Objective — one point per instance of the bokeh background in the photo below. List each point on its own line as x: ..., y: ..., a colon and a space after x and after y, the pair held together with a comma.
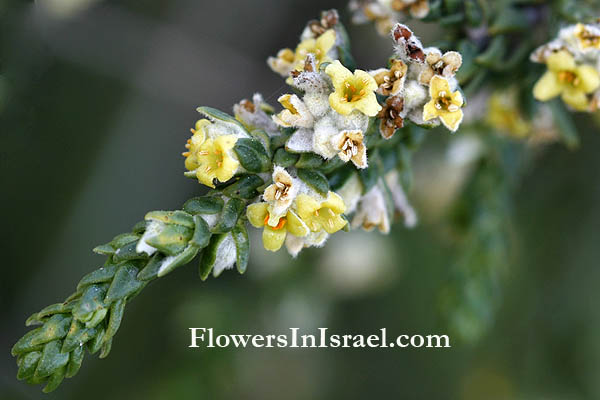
x: 96, y: 99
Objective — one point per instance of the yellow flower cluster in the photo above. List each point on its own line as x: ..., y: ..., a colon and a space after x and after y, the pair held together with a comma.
x: 444, y: 104
x: 288, y: 60
x: 210, y: 158
x: 307, y: 214
x: 567, y: 78
x: 352, y: 91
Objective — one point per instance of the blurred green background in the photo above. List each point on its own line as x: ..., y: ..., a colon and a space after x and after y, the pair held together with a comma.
x: 96, y: 99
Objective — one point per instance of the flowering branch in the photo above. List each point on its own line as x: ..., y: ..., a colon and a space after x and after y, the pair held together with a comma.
x: 336, y: 156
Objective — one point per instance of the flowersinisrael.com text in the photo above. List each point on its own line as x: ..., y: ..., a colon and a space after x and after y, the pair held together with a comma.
x: 206, y: 337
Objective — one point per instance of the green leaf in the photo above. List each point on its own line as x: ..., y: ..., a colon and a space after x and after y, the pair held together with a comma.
x: 309, y: 161
x: 78, y: 334
x: 228, y: 218
x: 509, y: 20
x: 24, y: 344
x: 331, y: 165
x: 55, y: 379
x: 369, y: 176
x: 150, y: 271
x: 104, y: 249
x: 103, y: 274
x: 140, y: 227
x: 171, y: 217
x: 105, y: 349
x: 201, y: 233
x: 95, y: 344
x: 170, y: 263
x: 261, y: 136
x: 91, y: 301
x: 214, y: 114
x: 58, y: 308
x: 280, y: 140
x: 242, y: 245
x: 494, y: 53
x: 97, y: 317
x: 473, y: 12
x: 314, y: 179
x: 173, y: 239
x: 244, y: 187
x: 124, y: 283
x: 27, y: 364
x: 252, y: 155
x: 209, y: 256
x: 123, y: 239
x: 75, y: 360
x: 51, y: 360
x: 284, y: 158
x: 339, y: 177
x: 114, y: 320
x: 128, y: 252
x: 203, y: 205
x: 55, y: 328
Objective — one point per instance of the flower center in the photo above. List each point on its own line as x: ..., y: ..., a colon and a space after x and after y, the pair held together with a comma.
x: 444, y: 102
x: 280, y: 224
x: 213, y: 160
x: 325, y: 215
x: 281, y: 190
x: 350, y: 147
x: 589, y: 39
x: 353, y: 92
x: 568, y: 77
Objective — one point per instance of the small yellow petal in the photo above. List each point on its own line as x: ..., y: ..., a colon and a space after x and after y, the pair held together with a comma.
x: 437, y: 85
x: 576, y: 99
x: 342, y: 107
x: 452, y: 120
x: 225, y: 142
x: 589, y: 77
x: 334, y: 224
x: 429, y: 111
x: 335, y: 202
x: 457, y: 98
x: 295, y: 226
x: 205, y: 178
x: 273, y: 238
x: 561, y: 61
x: 227, y: 169
x: 547, y: 87
x: 257, y: 213
x: 366, y: 78
x: 326, y: 41
x: 369, y: 105
x: 338, y: 73
x: 306, y: 205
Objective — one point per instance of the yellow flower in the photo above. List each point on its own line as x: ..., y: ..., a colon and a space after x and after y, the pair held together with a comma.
x: 273, y: 236
x: 444, y: 104
x: 283, y: 63
x: 564, y: 77
x: 391, y: 81
x: 587, y: 38
x: 350, y: 146
x: 352, y: 91
x: 210, y: 158
x: 319, y: 47
x: 325, y: 215
x: 504, y: 114
x: 295, y: 113
x: 194, y: 143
